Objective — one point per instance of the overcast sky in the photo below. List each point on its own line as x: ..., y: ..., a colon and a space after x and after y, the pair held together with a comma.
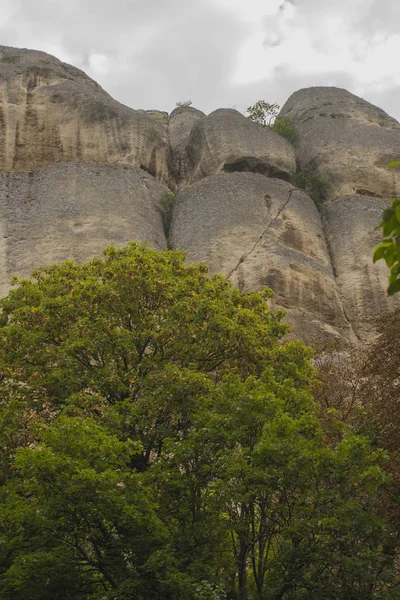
x: 217, y: 53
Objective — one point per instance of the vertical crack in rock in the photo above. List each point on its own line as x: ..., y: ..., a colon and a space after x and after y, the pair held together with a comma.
x: 335, y: 274
x: 247, y: 254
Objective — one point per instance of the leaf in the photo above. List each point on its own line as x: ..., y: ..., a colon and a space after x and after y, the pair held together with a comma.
x: 387, y: 214
x: 380, y: 250
x: 390, y: 225
x: 394, y: 287
x: 391, y: 257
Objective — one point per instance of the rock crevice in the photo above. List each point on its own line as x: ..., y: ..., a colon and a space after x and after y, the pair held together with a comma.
x: 247, y: 254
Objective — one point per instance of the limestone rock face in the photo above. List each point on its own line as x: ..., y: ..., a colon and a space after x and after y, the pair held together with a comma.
x: 79, y: 171
x: 349, y: 228
x: 181, y: 122
x: 260, y: 232
x: 226, y: 141
x: 51, y: 112
x: 345, y: 140
x: 73, y: 211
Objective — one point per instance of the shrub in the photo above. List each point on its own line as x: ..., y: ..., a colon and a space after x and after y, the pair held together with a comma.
x: 166, y: 210
x: 265, y: 114
x: 389, y: 248
x: 284, y: 126
x: 314, y: 186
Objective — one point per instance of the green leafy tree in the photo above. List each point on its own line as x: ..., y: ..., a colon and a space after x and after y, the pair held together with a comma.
x: 160, y: 441
x: 265, y: 114
x: 379, y: 387
x: 77, y: 522
x: 133, y: 344
x: 297, y: 521
x: 139, y: 331
x: 389, y: 248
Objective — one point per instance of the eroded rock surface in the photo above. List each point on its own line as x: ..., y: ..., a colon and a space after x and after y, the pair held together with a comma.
x: 263, y: 232
x: 349, y: 224
x: 79, y: 171
x: 73, y: 211
x: 181, y: 122
x: 51, y: 112
x: 345, y: 140
x: 226, y: 141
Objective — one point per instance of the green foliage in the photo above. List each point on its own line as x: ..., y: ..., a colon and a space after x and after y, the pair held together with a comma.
x: 315, y: 187
x: 265, y: 114
x: 184, y: 103
x: 389, y: 248
x: 161, y: 117
x: 284, y: 126
x: 166, y: 211
x: 289, y: 507
x: 160, y: 441
x: 86, y: 510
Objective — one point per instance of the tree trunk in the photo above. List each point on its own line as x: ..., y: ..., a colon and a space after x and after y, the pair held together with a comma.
x: 242, y: 571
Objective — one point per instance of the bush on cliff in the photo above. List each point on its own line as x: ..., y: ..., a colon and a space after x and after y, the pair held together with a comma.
x: 265, y: 114
x: 389, y: 248
x: 160, y: 441
x: 313, y: 185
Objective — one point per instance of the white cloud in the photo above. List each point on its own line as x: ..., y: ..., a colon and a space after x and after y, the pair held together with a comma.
x: 250, y: 10
x: 321, y: 40
x: 333, y: 44
x: 150, y: 54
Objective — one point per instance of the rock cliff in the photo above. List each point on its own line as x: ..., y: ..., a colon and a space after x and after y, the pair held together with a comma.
x: 78, y: 171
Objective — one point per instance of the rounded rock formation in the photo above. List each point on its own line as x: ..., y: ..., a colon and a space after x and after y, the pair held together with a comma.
x: 73, y: 211
x: 346, y: 141
x: 226, y: 141
x: 349, y: 224
x: 262, y: 232
x: 51, y: 112
x: 79, y: 171
x: 181, y: 122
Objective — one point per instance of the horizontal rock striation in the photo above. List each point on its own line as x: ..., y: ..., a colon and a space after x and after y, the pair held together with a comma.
x: 79, y: 171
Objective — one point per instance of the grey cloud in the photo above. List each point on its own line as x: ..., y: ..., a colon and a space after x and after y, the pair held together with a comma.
x: 193, y: 61
x: 162, y: 52
x: 374, y: 16
x: 389, y: 100
x: 383, y: 17
x: 159, y: 52
x: 285, y: 81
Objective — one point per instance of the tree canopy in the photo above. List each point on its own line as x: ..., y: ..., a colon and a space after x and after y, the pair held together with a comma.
x: 160, y: 440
